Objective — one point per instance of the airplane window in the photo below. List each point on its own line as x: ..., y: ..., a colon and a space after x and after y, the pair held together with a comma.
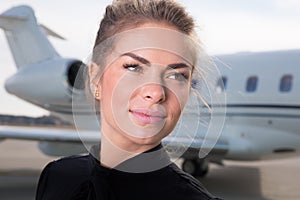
x: 251, y: 84
x: 221, y: 84
x: 195, y: 84
x: 286, y: 83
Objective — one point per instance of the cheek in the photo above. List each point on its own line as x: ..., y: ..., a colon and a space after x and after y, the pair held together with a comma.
x: 120, y: 90
x: 108, y: 83
x: 116, y: 85
x: 177, y: 98
x: 175, y: 108
x: 124, y: 90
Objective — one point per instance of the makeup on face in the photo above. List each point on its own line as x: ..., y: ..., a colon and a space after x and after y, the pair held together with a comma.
x: 144, y: 91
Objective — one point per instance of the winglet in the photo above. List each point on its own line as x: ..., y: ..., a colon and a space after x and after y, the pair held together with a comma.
x: 52, y: 33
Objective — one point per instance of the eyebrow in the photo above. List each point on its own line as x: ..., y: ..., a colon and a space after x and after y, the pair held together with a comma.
x: 138, y: 58
x: 179, y: 66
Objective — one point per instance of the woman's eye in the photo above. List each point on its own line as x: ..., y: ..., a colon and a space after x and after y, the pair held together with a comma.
x: 133, y: 67
x: 179, y: 76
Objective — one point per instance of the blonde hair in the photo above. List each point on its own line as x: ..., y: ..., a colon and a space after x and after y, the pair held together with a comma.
x: 126, y: 14
x: 123, y: 15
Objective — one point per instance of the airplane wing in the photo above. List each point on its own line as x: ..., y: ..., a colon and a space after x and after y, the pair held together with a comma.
x: 53, y: 141
x: 193, y: 147
x: 197, y: 147
x: 48, y: 134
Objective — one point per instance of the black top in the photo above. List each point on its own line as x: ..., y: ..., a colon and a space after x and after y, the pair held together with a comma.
x: 82, y: 177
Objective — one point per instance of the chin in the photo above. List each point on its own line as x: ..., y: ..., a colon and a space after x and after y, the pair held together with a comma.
x: 149, y: 141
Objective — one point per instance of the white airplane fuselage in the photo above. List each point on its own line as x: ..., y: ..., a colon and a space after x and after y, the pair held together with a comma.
x: 260, y: 124
x: 263, y: 120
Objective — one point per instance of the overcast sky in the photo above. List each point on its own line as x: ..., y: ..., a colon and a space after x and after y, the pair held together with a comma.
x: 224, y: 26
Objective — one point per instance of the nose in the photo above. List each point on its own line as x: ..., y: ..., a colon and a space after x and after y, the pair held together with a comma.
x: 155, y: 93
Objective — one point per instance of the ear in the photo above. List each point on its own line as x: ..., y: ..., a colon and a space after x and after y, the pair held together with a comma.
x: 94, y: 74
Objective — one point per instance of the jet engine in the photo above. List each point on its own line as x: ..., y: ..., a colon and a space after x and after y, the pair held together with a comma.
x: 50, y: 82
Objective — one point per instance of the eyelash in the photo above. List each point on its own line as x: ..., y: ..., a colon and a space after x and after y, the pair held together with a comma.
x: 136, y: 67
x: 181, y: 76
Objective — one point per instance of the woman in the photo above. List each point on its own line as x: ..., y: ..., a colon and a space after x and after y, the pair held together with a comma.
x: 142, y: 65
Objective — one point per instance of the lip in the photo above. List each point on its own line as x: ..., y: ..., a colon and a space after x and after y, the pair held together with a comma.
x: 147, y: 116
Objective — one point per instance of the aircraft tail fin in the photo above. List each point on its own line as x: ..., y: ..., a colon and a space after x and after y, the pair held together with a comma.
x: 26, y: 38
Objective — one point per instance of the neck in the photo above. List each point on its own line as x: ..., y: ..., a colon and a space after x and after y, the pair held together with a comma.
x: 113, y: 153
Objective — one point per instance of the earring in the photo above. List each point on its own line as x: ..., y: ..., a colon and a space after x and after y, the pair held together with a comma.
x: 96, y: 93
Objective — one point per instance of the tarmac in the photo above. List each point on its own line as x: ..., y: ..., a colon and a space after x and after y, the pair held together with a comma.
x: 21, y: 163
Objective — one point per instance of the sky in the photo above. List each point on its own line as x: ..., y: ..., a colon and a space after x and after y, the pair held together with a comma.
x: 225, y: 27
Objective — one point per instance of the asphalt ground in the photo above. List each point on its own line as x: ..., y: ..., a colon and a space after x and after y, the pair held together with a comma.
x: 21, y: 163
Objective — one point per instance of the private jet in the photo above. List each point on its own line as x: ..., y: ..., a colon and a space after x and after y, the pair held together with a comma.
x: 253, y: 113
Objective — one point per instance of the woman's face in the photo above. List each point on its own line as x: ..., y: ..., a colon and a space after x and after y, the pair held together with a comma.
x: 142, y: 94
